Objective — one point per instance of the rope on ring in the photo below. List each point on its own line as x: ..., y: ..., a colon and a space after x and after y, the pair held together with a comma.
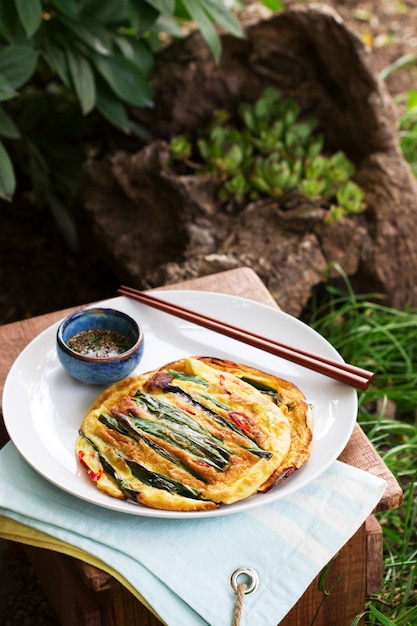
x: 240, y: 594
x: 242, y: 589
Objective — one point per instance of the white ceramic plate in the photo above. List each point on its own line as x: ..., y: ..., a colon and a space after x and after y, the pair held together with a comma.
x: 43, y: 406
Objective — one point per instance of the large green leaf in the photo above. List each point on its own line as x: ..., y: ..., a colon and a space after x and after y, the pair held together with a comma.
x: 56, y: 58
x: 7, y: 126
x: 141, y: 16
x: 163, y: 6
x: 7, y: 177
x: 205, y: 25
x: 90, y: 32
x: 9, y: 20
x: 104, y: 10
x: 6, y: 90
x: 70, y: 8
x: 124, y: 78
x: 112, y: 109
x: 170, y: 25
x: 82, y: 78
x: 223, y: 16
x: 30, y: 14
x: 137, y: 51
x: 17, y: 64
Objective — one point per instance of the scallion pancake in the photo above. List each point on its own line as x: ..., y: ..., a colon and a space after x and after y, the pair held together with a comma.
x: 195, y: 434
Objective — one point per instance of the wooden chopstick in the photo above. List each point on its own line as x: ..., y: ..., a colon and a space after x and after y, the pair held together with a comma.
x: 343, y: 372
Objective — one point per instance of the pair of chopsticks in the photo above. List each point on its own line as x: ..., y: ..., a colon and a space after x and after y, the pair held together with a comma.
x: 343, y: 372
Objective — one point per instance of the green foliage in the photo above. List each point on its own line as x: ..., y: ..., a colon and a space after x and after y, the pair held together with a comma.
x: 383, y: 340
x: 408, y: 129
x: 84, y: 59
x: 274, y: 5
x: 180, y: 148
x: 226, y: 150
x: 7, y: 178
x: 268, y: 151
x: 408, y: 119
x: 324, y: 589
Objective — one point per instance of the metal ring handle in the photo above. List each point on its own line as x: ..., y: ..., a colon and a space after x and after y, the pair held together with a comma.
x: 250, y: 574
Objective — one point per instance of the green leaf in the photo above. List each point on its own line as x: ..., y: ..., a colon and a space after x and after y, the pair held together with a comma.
x: 91, y: 33
x: 409, y: 616
x: 104, y: 10
x: 274, y: 5
x: 224, y: 17
x: 7, y: 126
x: 136, y: 51
x: 205, y: 25
x: 398, y: 64
x: 358, y: 619
x: 17, y: 64
x: 124, y: 78
x: 384, y: 621
x: 112, y: 109
x: 30, y: 14
x: 163, y: 6
x: 56, y: 58
x: 69, y: 8
x: 411, y: 99
x: 83, y: 79
x: 141, y: 16
x: 169, y: 25
x: 9, y: 21
x: 7, y: 177
x: 6, y: 90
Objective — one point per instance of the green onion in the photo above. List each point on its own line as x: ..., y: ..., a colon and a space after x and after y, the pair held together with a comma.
x: 188, y: 377
x: 223, y: 422
x: 121, y: 423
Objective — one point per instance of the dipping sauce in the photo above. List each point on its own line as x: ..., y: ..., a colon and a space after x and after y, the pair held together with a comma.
x: 99, y: 343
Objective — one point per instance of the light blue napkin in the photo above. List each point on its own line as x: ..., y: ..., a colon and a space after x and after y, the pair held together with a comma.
x: 182, y: 567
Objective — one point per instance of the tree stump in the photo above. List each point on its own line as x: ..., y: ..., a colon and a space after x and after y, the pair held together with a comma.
x: 158, y: 227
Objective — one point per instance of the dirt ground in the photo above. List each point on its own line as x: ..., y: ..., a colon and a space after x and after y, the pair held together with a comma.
x: 39, y: 274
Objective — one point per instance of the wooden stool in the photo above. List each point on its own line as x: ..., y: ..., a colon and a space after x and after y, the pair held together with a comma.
x: 84, y: 595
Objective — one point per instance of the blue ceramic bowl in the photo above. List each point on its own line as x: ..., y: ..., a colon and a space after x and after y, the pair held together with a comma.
x: 99, y: 356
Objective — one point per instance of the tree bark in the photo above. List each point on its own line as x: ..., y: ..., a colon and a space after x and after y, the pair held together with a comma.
x: 169, y: 227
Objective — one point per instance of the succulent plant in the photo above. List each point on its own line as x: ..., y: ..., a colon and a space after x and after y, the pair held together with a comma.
x: 225, y: 150
x: 180, y: 148
x: 273, y: 151
x: 237, y: 187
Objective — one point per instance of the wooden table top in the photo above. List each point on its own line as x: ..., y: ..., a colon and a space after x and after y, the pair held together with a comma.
x: 359, y: 452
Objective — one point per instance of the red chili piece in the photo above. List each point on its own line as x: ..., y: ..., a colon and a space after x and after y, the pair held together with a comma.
x: 95, y: 476
x: 186, y: 409
x: 202, y: 463
x: 241, y: 421
x: 223, y: 384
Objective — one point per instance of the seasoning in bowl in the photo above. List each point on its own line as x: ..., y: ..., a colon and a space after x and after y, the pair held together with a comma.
x: 99, y: 346
x: 99, y: 343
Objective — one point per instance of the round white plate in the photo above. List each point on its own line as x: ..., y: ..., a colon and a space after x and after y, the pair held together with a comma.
x: 43, y: 406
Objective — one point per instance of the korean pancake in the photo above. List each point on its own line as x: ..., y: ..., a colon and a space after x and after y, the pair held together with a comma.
x: 195, y: 434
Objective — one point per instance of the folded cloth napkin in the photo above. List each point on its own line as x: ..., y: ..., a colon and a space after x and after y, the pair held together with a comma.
x: 181, y: 568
